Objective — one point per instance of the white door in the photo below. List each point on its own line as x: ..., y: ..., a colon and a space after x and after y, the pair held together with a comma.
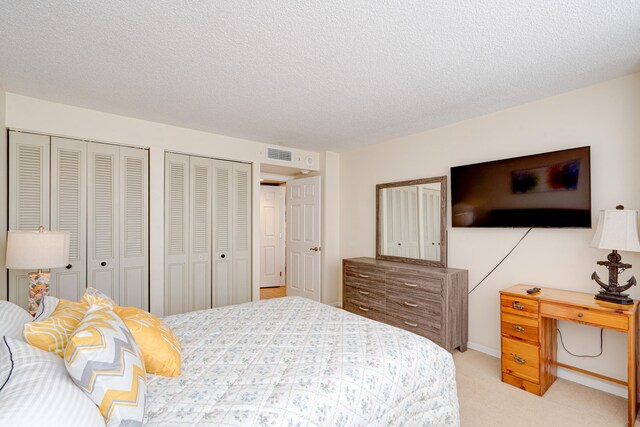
x: 241, y: 243
x: 68, y: 213
x: 200, y: 233
x: 103, y: 228
x: 222, y: 275
x: 303, y: 238
x: 402, y: 221
x: 430, y: 229
x: 271, y: 236
x: 176, y: 232
x: 134, y: 228
x: 29, y: 164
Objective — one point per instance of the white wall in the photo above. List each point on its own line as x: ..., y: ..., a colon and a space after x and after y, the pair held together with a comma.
x: 331, y: 259
x: 36, y: 115
x: 4, y: 175
x: 605, y: 116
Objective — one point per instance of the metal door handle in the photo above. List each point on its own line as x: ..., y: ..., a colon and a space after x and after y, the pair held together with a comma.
x: 222, y: 256
x: 103, y: 263
x: 315, y: 249
x: 69, y: 266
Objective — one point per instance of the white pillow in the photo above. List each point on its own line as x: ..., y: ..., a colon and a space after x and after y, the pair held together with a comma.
x: 12, y: 319
x: 47, y: 306
x: 35, y: 390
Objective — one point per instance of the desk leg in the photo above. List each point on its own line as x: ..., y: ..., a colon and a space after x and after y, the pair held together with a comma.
x: 632, y: 360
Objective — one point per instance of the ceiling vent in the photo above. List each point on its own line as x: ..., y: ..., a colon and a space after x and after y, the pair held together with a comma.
x: 279, y: 155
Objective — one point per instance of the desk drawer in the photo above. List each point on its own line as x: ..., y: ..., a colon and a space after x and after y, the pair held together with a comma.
x: 519, y: 306
x: 521, y: 360
x: 602, y: 319
x: 520, y: 327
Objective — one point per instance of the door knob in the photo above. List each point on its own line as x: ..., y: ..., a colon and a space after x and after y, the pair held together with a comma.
x: 103, y: 263
x: 222, y: 256
x: 68, y: 266
x: 315, y: 249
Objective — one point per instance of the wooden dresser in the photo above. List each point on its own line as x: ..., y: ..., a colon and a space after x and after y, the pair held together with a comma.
x: 529, y: 330
x: 428, y: 301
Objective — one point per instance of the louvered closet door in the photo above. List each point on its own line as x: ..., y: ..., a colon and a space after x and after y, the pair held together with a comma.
x: 241, y: 258
x: 201, y: 170
x: 29, y: 157
x: 134, y: 228
x: 176, y: 234
x: 103, y: 225
x: 222, y: 233
x: 68, y: 213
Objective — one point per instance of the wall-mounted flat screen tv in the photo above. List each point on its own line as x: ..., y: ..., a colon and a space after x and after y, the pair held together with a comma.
x: 542, y: 190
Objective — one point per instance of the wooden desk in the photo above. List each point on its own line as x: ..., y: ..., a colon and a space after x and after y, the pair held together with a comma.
x: 529, y: 328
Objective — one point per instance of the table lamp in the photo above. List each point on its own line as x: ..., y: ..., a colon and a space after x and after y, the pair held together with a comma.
x: 617, y: 231
x: 37, y: 250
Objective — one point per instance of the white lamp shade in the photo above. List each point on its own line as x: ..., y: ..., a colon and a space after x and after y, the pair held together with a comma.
x: 617, y: 229
x: 30, y: 250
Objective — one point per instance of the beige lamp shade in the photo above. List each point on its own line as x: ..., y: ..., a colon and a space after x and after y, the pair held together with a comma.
x: 30, y: 250
x: 617, y: 229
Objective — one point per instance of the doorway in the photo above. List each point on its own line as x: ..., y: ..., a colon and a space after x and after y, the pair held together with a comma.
x: 272, y: 239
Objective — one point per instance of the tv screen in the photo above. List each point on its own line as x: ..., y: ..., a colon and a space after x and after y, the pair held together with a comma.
x: 542, y: 190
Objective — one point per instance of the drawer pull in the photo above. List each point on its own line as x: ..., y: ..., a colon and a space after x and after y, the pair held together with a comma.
x: 519, y: 328
x: 410, y: 324
x: 364, y: 276
x: 519, y: 360
x: 409, y: 304
x: 579, y: 314
x: 363, y: 309
x: 411, y: 285
x: 517, y: 306
x: 363, y: 292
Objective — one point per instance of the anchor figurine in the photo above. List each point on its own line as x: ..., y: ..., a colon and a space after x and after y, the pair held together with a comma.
x: 612, y: 292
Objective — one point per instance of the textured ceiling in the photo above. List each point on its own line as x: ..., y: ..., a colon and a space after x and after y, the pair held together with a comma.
x: 331, y: 74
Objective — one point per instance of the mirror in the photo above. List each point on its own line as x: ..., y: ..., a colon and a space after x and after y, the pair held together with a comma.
x: 411, y: 221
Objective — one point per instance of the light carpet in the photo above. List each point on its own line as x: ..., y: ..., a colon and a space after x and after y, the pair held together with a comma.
x: 486, y: 401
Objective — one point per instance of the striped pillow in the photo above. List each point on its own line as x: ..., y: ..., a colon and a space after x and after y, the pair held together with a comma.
x: 35, y: 390
x: 52, y: 334
x: 46, y: 308
x: 104, y: 360
x: 12, y: 319
x: 160, y: 346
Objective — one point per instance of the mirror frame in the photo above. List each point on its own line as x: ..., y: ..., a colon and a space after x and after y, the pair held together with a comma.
x: 443, y: 222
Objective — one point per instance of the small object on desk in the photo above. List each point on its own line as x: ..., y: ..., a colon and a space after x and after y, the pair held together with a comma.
x: 617, y: 230
x: 533, y: 290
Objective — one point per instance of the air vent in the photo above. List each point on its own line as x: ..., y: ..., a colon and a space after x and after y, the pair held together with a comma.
x: 280, y: 155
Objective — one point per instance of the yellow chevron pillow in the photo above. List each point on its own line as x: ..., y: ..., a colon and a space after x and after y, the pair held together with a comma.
x: 104, y: 360
x: 160, y: 347
x: 94, y: 296
x: 52, y: 334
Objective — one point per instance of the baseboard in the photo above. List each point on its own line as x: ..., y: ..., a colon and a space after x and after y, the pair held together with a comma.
x: 335, y: 304
x: 566, y: 374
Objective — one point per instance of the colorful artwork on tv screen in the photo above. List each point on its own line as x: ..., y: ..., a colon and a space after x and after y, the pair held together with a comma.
x: 558, y: 177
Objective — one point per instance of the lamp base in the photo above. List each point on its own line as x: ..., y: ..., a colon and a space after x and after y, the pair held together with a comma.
x: 38, y: 287
x: 615, y: 298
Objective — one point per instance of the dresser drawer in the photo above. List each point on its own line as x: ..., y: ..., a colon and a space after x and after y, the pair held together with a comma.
x: 364, y: 296
x: 370, y: 311
x: 521, y: 360
x: 521, y: 327
x: 519, y: 306
x: 417, y: 326
x: 585, y: 315
x: 427, y: 287
x: 413, y: 305
x: 363, y: 276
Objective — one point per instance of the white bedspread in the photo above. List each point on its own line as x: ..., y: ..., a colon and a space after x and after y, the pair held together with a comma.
x: 294, y: 362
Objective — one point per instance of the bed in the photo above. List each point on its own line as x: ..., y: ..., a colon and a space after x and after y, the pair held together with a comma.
x: 291, y: 361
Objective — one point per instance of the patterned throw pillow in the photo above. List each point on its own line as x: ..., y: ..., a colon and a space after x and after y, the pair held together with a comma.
x: 160, y: 347
x: 12, y: 319
x: 46, y: 308
x: 52, y: 334
x: 104, y: 360
x: 35, y: 390
x: 94, y: 296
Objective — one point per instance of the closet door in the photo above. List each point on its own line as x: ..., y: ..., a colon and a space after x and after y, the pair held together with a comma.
x: 103, y: 228
x: 29, y: 158
x: 176, y: 234
x: 201, y: 171
x: 68, y: 213
x: 222, y: 233
x: 241, y: 257
x: 134, y: 228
